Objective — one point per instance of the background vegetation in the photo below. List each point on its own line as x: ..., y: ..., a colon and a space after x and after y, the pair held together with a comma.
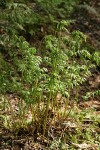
x: 42, y: 62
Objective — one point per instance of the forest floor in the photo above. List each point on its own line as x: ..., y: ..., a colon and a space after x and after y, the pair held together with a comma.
x: 81, y: 129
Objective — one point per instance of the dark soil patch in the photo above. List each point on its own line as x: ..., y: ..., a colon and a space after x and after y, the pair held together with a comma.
x: 87, y: 20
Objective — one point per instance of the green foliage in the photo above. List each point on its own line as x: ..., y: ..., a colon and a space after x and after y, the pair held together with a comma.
x: 92, y: 94
x: 60, y: 8
x: 96, y: 58
x: 37, y: 79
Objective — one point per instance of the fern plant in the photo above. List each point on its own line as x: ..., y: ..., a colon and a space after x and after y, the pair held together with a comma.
x: 37, y: 80
x: 65, y: 71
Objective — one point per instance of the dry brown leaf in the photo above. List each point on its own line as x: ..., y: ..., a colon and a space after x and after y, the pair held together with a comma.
x: 85, y: 146
x: 69, y: 124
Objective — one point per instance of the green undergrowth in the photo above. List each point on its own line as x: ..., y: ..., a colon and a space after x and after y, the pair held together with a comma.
x: 41, y: 63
